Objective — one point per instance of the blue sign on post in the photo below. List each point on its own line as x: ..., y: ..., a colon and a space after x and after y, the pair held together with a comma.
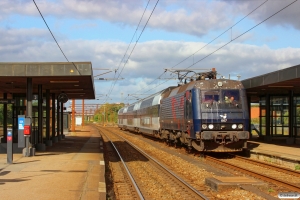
x: 21, y: 122
x: 21, y: 138
x: 9, y: 133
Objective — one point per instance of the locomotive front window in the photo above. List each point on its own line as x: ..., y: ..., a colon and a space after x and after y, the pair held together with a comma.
x: 231, y: 96
x: 220, y: 99
x: 210, y: 96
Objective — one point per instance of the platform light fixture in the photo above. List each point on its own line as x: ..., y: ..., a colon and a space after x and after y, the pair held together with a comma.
x: 74, y: 93
x: 76, y: 89
x: 64, y: 81
x: 281, y: 86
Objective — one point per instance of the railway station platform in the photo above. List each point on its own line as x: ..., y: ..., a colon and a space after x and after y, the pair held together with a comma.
x: 279, y: 153
x: 71, y: 169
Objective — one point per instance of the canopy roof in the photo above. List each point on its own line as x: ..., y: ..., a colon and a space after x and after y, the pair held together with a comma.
x: 73, y: 78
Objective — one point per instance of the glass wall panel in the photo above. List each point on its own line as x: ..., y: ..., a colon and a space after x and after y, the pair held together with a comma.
x: 263, y: 112
x: 262, y: 116
x: 286, y: 131
x: 262, y: 101
x: 279, y: 115
x: 263, y: 130
x: 296, y: 116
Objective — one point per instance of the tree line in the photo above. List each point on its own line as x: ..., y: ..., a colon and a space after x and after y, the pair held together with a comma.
x: 108, y: 113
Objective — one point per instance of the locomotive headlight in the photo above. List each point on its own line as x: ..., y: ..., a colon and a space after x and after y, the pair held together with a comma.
x: 204, y: 126
x: 233, y: 126
x: 240, y: 126
x: 210, y: 126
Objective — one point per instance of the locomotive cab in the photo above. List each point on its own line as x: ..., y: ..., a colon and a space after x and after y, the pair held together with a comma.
x: 223, y: 119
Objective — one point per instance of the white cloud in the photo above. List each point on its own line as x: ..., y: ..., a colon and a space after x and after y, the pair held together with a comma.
x: 190, y: 17
x: 149, y: 59
x: 196, y: 22
x: 286, y: 18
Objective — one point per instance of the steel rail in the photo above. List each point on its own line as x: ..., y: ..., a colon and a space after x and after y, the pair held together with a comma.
x: 127, y: 170
x: 274, y: 167
x: 290, y: 186
x: 166, y: 169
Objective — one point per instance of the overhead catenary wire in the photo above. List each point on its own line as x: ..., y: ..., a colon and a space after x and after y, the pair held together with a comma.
x: 230, y: 28
x: 54, y: 37
x: 243, y: 33
x: 228, y: 42
x: 133, y: 47
x: 112, y: 85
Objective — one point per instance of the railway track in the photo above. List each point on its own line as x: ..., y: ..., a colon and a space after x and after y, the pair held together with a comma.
x: 285, y: 179
x: 146, y: 177
x: 123, y: 186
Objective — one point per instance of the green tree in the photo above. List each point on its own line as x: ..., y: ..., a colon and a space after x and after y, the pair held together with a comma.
x: 108, y: 113
x: 9, y: 114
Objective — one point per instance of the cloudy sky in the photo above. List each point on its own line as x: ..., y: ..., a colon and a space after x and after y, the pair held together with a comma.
x: 135, y: 41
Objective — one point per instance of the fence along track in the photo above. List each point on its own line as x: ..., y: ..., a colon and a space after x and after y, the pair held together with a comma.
x: 178, y: 188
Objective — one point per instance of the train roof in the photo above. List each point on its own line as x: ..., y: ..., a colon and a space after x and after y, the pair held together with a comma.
x: 205, y: 85
x: 151, y: 100
x: 172, y: 91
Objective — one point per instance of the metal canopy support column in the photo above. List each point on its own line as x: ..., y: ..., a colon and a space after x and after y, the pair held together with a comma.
x: 54, y: 137
x: 82, y: 120
x: 57, y: 120
x: 4, y: 119
x: 73, y: 115
x: 48, y: 141
x: 268, y: 110
x: 29, y: 150
x: 249, y: 115
x: 291, y: 139
x: 16, y: 112
x: 40, y: 145
x: 62, y: 119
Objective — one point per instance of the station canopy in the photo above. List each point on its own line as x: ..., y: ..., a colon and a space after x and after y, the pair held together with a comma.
x: 279, y: 82
x: 73, y: 78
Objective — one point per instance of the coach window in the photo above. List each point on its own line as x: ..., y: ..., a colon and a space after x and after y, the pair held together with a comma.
x: 155, y: 111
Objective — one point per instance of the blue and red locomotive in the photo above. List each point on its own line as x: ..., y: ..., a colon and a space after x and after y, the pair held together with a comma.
x: 205, y: 114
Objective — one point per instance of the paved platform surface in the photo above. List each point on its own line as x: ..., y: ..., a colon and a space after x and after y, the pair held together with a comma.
x: 291, y: 151
x: 276, y: 153
x: 71, y: 169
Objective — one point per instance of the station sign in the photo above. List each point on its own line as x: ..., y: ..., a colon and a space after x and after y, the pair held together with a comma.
x: 9, y: 135
x: 7, y: 101
x: 27, y: 130
x: 21, y: 122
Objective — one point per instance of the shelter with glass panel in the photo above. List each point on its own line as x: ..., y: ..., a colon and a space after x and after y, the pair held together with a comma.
x: 278, y: 96
x: 38, y: 90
